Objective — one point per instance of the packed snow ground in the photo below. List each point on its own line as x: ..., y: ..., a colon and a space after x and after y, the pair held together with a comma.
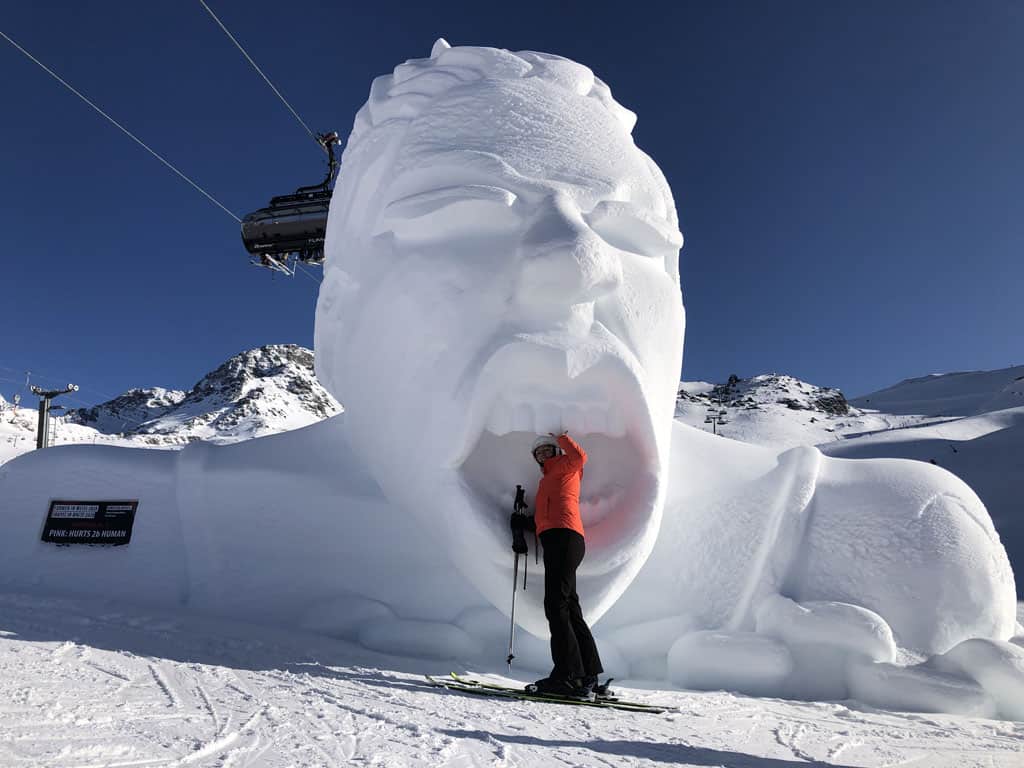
x: 84, y: 684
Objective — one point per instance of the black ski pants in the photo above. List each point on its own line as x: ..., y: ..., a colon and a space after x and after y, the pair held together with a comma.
x: 573, y: 649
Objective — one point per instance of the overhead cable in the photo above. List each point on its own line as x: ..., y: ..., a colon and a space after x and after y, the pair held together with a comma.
x: 265, y: 78
x: 306, y: 272
x: 131, y: 135
x: 38, y: 375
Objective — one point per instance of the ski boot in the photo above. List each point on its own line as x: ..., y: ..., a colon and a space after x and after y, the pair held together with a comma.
x: 562, y: 688
x: 601, y: 690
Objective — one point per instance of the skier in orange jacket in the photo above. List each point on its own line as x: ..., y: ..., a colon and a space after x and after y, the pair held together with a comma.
x: 557, y: 520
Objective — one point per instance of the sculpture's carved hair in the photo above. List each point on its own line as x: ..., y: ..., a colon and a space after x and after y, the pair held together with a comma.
x: 405, y: 93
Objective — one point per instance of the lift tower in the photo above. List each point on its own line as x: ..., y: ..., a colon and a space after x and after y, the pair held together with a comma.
x: 45, y: 396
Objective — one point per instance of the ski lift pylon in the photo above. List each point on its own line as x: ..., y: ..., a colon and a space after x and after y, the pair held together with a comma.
x: 292, y: 228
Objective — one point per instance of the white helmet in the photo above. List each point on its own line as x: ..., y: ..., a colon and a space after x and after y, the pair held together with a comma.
x: 542, y: 441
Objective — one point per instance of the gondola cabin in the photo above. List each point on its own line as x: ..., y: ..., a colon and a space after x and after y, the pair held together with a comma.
x: 292, y: 227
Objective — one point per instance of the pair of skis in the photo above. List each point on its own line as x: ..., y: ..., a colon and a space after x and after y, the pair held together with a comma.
x: 480, y: 688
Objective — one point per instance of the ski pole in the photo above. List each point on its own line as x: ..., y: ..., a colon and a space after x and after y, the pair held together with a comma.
x: 518, y: 546
x: 512, y: 624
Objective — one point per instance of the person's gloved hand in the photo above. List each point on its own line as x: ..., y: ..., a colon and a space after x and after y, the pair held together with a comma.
x: 522, y: 522
x: 519, y: 543
x: 520, y: 505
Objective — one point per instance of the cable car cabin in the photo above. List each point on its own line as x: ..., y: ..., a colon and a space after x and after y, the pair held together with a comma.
x: 292, y: 227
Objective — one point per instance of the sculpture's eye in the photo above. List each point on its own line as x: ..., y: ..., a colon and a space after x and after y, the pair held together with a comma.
x: 630, y: 228
x: 471, y: 210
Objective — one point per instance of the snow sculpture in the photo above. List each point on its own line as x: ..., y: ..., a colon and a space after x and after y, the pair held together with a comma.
x: 502, y: 261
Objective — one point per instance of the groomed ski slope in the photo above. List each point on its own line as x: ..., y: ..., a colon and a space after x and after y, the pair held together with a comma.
x: 86, y: 685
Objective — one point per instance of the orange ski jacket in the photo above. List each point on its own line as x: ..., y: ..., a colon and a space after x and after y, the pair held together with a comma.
x: 557, y: 503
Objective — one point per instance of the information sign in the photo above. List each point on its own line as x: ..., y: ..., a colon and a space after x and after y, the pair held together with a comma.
x: 90, y: 522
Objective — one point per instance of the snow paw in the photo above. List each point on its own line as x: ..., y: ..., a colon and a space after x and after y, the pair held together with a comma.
x: 735, y: 661
x: 343, y: 616
x: 647, y: 643
x: 418, y: 639
x: 840, y: 626
x: 998, y: 667
x: 375, y: 626
x: 916, y: 689
x: 823, y: 637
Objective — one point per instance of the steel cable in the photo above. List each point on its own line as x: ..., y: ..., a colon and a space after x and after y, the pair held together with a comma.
x: 130, y: 135
x: 260, y: 71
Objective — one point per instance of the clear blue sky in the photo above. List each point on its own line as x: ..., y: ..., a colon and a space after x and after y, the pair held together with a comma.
x: 849, y: 175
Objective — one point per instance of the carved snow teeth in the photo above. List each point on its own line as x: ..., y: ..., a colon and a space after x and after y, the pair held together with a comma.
x: 529, y: 389
x: 597, y: 421
x: 522, y: 418
x: 546, y: 416
x: 574, y: 419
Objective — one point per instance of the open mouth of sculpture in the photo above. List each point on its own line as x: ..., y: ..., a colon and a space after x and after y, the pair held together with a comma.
x: 605, y: 412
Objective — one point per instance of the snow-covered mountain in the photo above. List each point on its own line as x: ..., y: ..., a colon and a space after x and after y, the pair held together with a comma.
x: 257, y: 392
x: 18, y: 431
x: 1010, y: 396
x: 128, y: 412
x: 963, y: 393
x: 778, y: 410
x: 771, y: 409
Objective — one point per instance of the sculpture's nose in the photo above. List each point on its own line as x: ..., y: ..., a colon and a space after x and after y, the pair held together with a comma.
x: 564, y: 262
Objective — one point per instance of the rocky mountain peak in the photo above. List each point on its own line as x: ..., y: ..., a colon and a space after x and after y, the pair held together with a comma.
x: 259, y: 391
x: 769, y: 388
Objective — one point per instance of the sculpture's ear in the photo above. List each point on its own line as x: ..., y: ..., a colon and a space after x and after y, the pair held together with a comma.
x: 439, y: 47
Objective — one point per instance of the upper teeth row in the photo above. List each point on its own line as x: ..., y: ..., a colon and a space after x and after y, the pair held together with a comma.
x: 541, y: 418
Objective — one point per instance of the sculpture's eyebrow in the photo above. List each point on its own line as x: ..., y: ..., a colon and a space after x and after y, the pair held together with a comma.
x: 611, y: 207
x: 431, y: 199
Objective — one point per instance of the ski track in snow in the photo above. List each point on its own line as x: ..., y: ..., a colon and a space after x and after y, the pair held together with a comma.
x: 83, y: 685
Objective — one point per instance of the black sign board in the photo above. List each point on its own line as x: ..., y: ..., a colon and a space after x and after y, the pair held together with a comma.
x: 90, y: 522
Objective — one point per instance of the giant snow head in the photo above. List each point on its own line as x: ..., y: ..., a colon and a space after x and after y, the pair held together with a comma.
x: 502, y: 261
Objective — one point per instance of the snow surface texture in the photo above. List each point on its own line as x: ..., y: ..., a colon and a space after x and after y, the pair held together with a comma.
x: 88, y: 684
x: 982, y: 442
x: 501, y: 262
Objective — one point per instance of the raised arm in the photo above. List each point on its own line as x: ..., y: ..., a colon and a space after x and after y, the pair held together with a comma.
x: 573, y: 452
